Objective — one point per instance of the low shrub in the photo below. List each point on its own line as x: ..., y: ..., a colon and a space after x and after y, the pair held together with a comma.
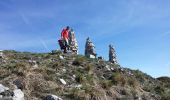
x: 117, y: 78
x: 165, y: 96
x: 159, y: 89
x: 79, y: 60
x: 80, y: 78
x: 106, y: 84
x: 139, y: 75
x: 132, y: 82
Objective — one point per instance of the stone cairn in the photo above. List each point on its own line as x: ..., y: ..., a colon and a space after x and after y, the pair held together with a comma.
x: 112, y: 55
x: 90, y: 49
x: 73, y: 45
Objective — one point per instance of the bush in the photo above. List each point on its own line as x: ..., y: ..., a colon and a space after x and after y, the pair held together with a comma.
x: 57, y: 52
x: 106, y: 84
x: 117, y: 78
x: 148, y: 88
x: 80, y: 78
x: 139, y: 75
x: 90, y: 79
x: 79, y: 60
x: 132, y: 82
x: 165, y: 96
x: 159, y: 89
x: 4, y: 73
x: 89, y: 68
x: 167, y: 85
x: 16, y: 68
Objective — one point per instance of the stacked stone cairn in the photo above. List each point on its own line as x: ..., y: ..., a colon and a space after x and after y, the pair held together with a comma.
x: 73, y: 45
x: 90, y: 49
x: 112, y: 55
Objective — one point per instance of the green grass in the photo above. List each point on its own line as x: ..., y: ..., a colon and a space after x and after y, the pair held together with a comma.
x: 118, y: 78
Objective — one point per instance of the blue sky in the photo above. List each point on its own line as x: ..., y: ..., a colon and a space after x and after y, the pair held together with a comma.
x: 138, y: 29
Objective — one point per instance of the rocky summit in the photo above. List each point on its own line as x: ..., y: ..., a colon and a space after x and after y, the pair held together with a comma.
x: 58, y: 76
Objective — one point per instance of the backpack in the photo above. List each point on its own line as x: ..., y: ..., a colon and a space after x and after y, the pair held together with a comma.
x: 61, y: 44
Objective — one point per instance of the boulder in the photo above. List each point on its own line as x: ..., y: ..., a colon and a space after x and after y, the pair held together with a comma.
x: 3, y: 88
x: 18, y: 94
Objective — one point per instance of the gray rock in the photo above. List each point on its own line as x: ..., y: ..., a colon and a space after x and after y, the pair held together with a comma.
x: 35, y: 66
x: 18, y: 95
x: 92, y: 56
x: 6, y: 93
x: 63, y: 82
x: 1, y: 55
x: 52, y: 97
x: 61, y: 57
x: 108, y: 67
x: 19, y: 83
x: 3, y: 88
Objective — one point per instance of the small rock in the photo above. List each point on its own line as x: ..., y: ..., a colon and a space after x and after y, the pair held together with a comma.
x: 64, y: 70
x: 19, y: 83
x: 52, y: 97
x: 61, y: 57
x: 121, y: 70
x: 100, y: 58
x: 18, y: 95
x: 112, y: 69
x: 74, y: 76
x: 35, y: 66
x: 78, y: 86
x: 62, y: 81
x: 92, y: 56
x: 6, y: 93
x: 35, y: 98
x: 3, y: 88
x: 108, y: 68
x: 58, y: 74
x: 1, y: 55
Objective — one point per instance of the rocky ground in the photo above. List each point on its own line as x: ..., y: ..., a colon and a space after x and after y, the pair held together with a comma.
x: 57, y: 76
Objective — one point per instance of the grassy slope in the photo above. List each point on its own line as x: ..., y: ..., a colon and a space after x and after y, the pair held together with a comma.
x: 95, y: 80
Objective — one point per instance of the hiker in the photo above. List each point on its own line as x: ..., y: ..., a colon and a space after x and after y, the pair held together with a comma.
x: 64, y: 39
x: 73, y: 46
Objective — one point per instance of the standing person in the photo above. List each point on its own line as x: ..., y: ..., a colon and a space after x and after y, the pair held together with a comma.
x: 65, y: 37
